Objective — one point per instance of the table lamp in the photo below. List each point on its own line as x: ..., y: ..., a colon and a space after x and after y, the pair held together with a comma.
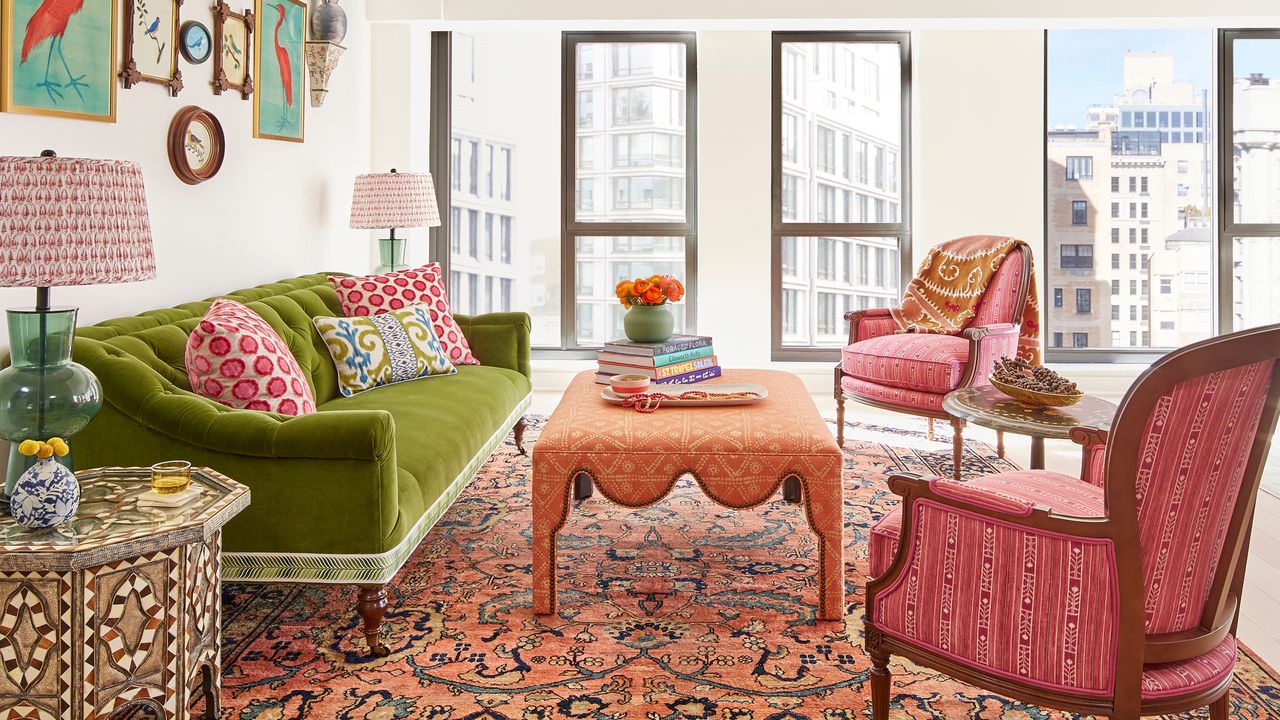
x: 63, y: 221
x: 389, y: 201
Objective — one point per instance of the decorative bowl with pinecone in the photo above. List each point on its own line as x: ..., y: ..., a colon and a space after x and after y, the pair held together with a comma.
x: 1034, y: 384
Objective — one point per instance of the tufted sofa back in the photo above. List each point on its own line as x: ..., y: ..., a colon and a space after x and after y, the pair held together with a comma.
x: 158, y: 338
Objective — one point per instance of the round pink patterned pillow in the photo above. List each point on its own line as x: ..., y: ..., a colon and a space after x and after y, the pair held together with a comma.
x: 376, y: 294
x: 233, y: 356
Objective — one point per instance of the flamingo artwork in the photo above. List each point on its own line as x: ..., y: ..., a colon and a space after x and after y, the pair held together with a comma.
x: 49, y: 22
x: 286, y: 70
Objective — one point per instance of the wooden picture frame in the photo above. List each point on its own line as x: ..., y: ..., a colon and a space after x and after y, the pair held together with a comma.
x: 37, y: 79
x: 232, y: 50
x: 196, y: 145
x: 279, y: 105
x: 151, y: 26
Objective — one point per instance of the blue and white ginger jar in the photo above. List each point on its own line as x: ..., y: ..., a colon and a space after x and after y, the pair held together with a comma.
x: 47, y: 494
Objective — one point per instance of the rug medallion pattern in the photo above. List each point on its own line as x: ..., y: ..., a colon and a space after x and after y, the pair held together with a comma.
x: 677, y: 611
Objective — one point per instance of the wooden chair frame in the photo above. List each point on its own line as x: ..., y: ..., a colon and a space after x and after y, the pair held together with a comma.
x: 1120, y: 526
x: 974, y: 335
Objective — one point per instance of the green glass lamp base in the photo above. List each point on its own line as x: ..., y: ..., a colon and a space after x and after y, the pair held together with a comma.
x: 43, y: 394
x: 390, y: 255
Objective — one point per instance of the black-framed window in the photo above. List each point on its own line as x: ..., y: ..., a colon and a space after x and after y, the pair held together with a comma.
x: 1158, y: 181
x: 633, y: 212
x: 1057, y: 297
x: 1249, y: 220
x: 841, y: 190
x: 1084, y: 301
x: 1079, y: 212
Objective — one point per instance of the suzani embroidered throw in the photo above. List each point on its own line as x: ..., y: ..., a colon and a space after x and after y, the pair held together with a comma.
x: 945, y: 294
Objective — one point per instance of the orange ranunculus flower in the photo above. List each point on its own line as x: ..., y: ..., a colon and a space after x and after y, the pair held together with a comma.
x: 655, y: 279
x: 640, y: 286
x: 623, y: 289
x: 672, y: 288
x: 653, y: 295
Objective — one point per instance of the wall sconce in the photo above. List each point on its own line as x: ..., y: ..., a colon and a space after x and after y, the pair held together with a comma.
x: 328, y: 28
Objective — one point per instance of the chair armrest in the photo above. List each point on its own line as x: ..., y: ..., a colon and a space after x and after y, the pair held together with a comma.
x: 499, y: 339
x: 1093, y: 442
x: 870, y: 323
x: 1002, y: 585
x: 988, y: 344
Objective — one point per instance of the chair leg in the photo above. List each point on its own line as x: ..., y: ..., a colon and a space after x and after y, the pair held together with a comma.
x: 1000, y: 444
x: 930, y: 429
x: 1220, y: 709
x: 881, y: 681
x: 957, y: 447
x: 840, y: 418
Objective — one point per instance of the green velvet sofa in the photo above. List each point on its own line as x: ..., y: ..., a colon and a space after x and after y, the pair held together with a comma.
x: 343, y: 495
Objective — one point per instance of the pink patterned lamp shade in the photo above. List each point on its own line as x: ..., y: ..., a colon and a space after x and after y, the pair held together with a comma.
x: 73, y: 221
x: 394, y: 200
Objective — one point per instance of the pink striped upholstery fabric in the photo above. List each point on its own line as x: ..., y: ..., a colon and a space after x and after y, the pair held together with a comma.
x: 877, y: 325
x: 1020, y: 603
x: 1002, y: 293
x: 1194, y: 450
x: 1062, y: 493
x: 912, y: 361
x: 1198, y: 673
x: 1001, y: 343
x: 1096, y: 473
x: 928, y: 401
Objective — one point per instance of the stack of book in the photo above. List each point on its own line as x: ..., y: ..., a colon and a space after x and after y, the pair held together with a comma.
x: 681, y: 360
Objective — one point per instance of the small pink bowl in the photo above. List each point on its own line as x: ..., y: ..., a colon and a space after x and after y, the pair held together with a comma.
x: 629, y: 384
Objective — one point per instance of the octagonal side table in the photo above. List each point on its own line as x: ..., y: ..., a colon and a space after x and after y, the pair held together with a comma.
x: 116, y: 613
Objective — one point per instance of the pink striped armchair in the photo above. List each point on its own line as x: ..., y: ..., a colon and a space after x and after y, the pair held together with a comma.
x: 912, y: 372
x: 1116, y: 594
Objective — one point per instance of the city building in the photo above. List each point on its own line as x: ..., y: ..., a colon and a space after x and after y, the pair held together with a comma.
x: 630, y: 168
x: 1256, y: 139
x: 1120, y: 191
x: 840, y: 163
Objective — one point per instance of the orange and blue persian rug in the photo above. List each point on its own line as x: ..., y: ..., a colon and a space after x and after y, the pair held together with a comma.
x: 680, y: 611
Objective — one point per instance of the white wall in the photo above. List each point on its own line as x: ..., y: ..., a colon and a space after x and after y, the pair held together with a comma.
x: 276, y: 209
x: 978, y: 136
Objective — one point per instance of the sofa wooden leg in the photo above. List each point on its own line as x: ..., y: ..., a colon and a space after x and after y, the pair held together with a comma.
x: 372, y: 605
x: 881, y: 681
x: 791, y: 489
x: 957, y: 447
x: 518, y: 431
x: 1220, y: 709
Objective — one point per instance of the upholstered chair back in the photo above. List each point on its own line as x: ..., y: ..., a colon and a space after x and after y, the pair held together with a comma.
x: 1000, y: 301
x: 1205, y: 415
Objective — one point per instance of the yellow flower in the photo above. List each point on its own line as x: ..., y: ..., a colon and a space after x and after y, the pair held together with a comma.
x: 60, y: 447
x: 29, y: 447
x: 45, y: 452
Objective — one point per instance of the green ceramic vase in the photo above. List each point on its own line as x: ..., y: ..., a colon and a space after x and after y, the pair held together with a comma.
x: 649, y: 323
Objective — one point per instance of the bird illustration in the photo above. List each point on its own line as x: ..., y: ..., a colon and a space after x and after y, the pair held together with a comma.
x: 195, y: 145
x: 235, y: 52
x: 282, y: 58
x: 150, y: 32
x: 196, y: 44
x: 49, y: 22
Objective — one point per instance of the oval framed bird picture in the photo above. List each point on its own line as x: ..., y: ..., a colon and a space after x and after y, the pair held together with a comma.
x: 280, y: 36
x: 59, y: 58
x: 194, y: 42
x: 196, y: 145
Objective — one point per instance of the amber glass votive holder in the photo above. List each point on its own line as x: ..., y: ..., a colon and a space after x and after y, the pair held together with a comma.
x: 170, y: 477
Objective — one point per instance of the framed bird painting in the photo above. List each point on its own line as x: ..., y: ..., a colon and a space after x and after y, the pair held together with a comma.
x: 151, y: 44
x: 232, y: 50
x: 59, y: 58
x: 278, y: 101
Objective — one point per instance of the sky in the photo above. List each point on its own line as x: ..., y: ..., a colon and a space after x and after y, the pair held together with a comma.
x: 1086, y: 67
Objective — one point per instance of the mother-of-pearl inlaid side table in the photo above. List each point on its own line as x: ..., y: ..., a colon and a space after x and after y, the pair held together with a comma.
x: 116, y: 613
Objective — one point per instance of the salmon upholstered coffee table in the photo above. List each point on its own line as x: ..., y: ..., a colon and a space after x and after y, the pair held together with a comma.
x: 740, y: 456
